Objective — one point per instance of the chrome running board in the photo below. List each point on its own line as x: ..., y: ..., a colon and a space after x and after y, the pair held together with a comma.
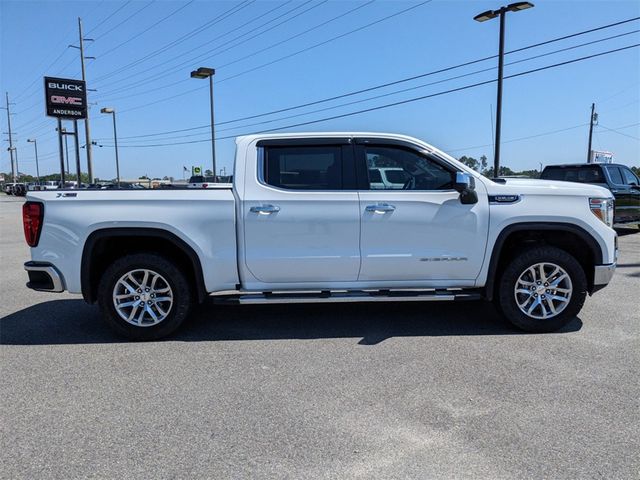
x: 350, y: 296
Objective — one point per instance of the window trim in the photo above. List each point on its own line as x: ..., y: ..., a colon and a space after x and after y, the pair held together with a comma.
x: 362, y: 167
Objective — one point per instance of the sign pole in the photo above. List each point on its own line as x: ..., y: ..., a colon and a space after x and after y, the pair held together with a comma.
x: 77, y: 145
x: 62, y: 179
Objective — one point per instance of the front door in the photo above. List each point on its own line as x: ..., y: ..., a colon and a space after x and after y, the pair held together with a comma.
x: 414, y: 227
x: 301, y: 215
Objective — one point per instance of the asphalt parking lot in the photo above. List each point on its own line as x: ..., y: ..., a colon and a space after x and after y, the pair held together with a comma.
x: 319, y: 391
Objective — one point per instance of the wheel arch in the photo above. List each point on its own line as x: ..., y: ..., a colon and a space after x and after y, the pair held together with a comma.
x: 106, y: 244
x: 571, y: 238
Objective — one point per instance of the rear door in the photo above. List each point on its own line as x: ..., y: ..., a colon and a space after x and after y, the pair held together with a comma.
x: 301, y: 212
x: 419, y: 232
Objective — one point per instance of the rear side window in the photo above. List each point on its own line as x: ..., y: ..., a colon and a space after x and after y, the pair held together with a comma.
x: 615, y: 175
x: 304, y: 168
x: 586, y: 174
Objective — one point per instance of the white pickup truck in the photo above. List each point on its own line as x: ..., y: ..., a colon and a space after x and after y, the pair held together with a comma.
x: 302, y: 223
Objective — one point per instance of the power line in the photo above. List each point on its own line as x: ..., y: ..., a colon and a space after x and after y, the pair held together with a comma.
x: 411, y: 100
x: 236, y: 8
x: 307, y: 30
x: 293, y: 54
x: 432, y: 83
x: 397, y: 91
x: 434, y: 72
x: 384, y: 85
x: 615, y: 130
x: 109, y: 16
x: 528, y: 137
x: 129, y: 17
x: 311, y: 47
x: 106, y: 52
x: 396, y: 82
x: 194, y: 59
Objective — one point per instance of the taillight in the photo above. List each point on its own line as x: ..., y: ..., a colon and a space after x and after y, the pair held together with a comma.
x: 32, y: 216
x: 205, y: 185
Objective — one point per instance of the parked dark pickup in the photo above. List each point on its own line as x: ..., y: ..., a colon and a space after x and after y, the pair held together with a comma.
x: 622, y: 182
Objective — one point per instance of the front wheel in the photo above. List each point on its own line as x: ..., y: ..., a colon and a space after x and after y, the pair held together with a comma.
x: 542, y: 289
x: 144, y: 296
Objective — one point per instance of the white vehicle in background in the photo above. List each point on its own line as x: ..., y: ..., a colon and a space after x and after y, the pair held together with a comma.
x: 305, y: 221
x: 50, y: 185
x: 385, y: 178
x: 201, y: 181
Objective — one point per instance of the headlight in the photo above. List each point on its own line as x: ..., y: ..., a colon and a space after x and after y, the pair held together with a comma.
x: 603, y: 209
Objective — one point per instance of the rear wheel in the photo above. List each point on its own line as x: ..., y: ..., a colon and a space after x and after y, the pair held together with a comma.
x: 144, y: 296
x: 542, y: 289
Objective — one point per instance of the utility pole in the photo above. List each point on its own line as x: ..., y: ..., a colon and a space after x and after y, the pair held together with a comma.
x: 594, y: 120
x: 13, y: 172
x: 87, y: 130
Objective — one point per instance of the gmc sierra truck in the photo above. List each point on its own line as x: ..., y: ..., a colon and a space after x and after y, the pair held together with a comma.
x: 304, y: 222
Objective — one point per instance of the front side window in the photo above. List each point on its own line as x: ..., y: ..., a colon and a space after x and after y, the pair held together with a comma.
x: 395, y: 168
x: 304, y: 167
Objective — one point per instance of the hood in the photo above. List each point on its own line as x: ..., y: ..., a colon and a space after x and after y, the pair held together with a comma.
x: 546, y: 187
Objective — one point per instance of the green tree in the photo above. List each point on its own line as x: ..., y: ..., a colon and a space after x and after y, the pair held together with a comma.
x: 469, y: 162
x: 503, y: 172
x: 483, y: 163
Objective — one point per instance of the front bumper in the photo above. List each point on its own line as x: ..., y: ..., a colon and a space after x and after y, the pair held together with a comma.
x: 44, y: 277
x: 602, y: 275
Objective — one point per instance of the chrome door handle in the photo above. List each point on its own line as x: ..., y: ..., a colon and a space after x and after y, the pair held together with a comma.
x: 380, y: 208
x: 265, y: 209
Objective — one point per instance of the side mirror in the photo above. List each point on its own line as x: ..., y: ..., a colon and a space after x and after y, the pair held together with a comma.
x: 465, y: 185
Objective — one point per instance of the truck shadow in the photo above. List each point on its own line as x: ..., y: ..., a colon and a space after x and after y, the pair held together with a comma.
x: 74, y: 322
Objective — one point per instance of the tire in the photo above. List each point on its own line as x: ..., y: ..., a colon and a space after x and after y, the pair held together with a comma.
x: 522, y: 284
x: 167, y: 291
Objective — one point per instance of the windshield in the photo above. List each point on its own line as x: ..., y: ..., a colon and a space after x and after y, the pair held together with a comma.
x: 580, y: 174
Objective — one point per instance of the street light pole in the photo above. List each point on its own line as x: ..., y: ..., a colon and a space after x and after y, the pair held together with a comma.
x: 483, y: 17
x: 213, y: 140
x: 35, y: 146
x: 205, y: 72
x: 115, y: 140
x: 496, y: 151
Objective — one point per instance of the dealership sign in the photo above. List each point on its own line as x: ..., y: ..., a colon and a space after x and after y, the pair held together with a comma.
x: 65, y: 98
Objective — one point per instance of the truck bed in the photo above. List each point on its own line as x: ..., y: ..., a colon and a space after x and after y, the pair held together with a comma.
x: 204, y: 219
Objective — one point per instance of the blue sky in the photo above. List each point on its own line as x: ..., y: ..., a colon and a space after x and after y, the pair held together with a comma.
x: 246, y: 46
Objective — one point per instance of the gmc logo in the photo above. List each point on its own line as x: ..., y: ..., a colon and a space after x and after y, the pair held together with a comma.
x: 66, y: 100
x: 64, y: 86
